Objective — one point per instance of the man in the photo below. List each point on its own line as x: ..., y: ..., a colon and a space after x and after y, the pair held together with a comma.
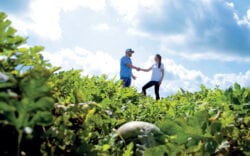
x: 126, y: 67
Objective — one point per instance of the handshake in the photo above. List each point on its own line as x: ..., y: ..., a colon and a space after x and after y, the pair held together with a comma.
x: 137, y: 68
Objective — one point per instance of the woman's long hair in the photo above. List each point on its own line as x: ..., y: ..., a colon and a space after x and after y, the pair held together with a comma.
x: 159, y: 57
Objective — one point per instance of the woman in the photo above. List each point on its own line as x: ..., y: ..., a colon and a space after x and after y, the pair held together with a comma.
x: 156, y: 78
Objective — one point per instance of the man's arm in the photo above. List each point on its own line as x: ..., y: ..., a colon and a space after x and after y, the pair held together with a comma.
x: 133, y: 76
x: 132, y: 66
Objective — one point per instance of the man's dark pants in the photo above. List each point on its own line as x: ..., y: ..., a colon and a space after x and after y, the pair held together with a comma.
x: 126, y: 81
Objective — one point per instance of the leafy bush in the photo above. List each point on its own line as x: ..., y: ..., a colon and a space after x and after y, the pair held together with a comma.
x: 25, y: 95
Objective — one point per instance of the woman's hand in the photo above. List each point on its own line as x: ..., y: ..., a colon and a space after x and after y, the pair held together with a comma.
x: 159, y: 83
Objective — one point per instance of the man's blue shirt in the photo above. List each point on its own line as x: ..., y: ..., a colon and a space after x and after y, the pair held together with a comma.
x: 125, y: 71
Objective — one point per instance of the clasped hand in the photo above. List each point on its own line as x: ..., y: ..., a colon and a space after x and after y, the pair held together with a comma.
x: 138, y: 68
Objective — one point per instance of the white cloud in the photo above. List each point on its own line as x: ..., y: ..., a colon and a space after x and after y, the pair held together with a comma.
x: 129, y: 8
x: 227, y: 80
x: 70, y: 5
x: 175, y: 39
x: 135, y: 32
x: 92, y: 63
x: 199, y: 56
x: 230, y: 4
x: 20, y: 25
x: 43, y: 17
x: 102, y: 27
x: 245, y: 20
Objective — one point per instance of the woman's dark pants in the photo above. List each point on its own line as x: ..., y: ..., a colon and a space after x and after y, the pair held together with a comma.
x: 150, y: 84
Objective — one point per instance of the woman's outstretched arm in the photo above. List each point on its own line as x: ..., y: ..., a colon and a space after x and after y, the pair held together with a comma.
x: 146, y: 70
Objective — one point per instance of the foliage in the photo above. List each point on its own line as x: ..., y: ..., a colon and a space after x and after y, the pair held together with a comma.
x: 43, y: 112
x: 25, y: 97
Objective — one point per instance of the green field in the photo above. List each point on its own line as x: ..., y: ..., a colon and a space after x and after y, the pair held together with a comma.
x: 50, y: 112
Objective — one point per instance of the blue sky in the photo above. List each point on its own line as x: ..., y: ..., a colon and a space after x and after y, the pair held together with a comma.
x: 202, y: 42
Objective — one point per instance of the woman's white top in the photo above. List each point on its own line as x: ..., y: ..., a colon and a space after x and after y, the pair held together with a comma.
x: 157, y: 72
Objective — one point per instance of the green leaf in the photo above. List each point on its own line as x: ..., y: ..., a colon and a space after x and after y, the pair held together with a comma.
x: 169, y: 126
x: 193, y: 140
x: 198, y: 119
x: 34, y: 85
x: 43, y: 104
x: 215, y: 127
x: 237, y: 87
x: 42, y: 118
x: 105, y: 147
x: 6, y: 108
x: 23, y: 50
x: 11, y: 31
x: 210, y: 145
x: 36, y: 49
x: 156, y: 151
x: 129, y: 150
x: 6, y: 85
x: 181, y: 138
x: 247, y: 121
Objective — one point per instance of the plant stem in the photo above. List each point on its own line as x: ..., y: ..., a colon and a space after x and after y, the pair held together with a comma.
x: 20, y: 135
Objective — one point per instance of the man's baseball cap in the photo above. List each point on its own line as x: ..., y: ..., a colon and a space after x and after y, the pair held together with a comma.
x: 130, y: 50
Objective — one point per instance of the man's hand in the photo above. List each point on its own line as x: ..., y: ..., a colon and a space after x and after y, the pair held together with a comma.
x: 133, y: 77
